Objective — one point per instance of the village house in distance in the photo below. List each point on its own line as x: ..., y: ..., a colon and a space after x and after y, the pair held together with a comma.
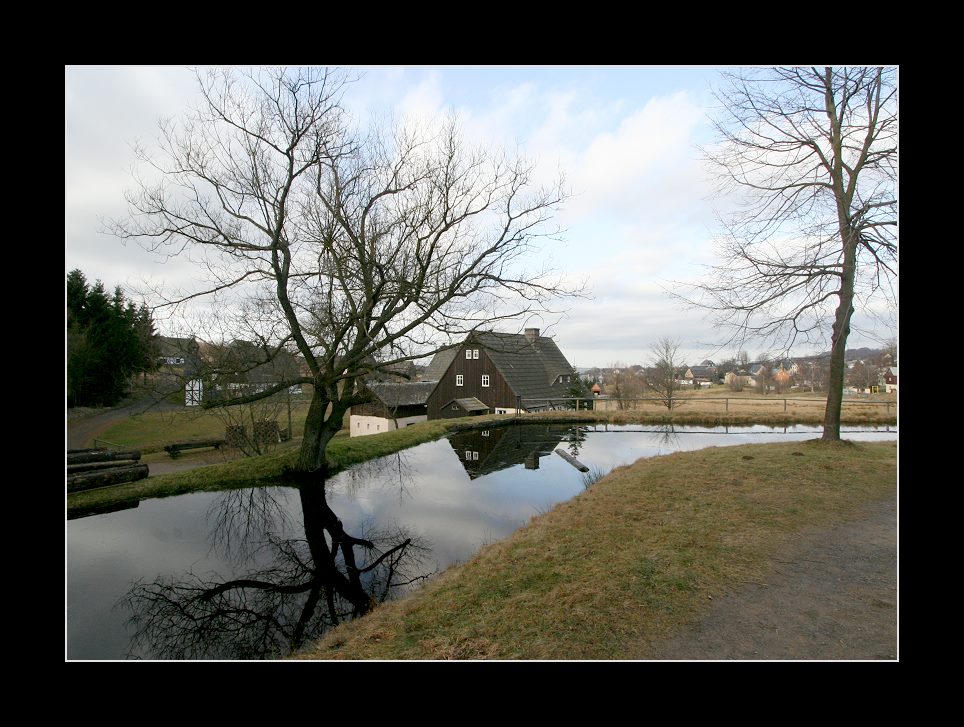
x: 500, y: 373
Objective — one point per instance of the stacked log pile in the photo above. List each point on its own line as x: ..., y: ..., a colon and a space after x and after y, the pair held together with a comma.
x: 87, y: 468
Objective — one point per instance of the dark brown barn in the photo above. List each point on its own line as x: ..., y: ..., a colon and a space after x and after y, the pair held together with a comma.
x: 500, y: 373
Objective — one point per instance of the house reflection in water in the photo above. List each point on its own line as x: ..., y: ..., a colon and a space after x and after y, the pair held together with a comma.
x: 482, y: 451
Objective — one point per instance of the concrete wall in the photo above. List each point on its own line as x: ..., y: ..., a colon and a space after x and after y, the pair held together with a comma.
x: 360, y: 425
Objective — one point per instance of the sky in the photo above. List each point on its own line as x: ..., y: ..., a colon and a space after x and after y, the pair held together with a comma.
x: 641, y: 216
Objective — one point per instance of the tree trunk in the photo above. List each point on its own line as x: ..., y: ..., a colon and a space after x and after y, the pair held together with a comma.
x: 314, y: 443
x: 841, y: 330
x: 320, y: 427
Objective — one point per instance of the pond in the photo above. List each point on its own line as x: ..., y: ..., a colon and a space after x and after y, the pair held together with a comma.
x: 254, y: 573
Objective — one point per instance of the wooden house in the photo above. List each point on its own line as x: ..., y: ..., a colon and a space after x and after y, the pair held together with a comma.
x: 499, y: 373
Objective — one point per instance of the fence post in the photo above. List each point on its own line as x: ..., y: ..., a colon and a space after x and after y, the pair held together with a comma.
x: 727, y: 404
x: 784, y: 406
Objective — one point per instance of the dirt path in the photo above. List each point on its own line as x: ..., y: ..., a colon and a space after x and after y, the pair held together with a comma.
x: 832, y: 595
x: 82, y: 430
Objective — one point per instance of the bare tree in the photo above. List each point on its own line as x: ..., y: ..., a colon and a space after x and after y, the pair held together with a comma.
x: 812, y: 155
x: 355, y: 251
x: 863, y: 375
x: 663, y: 375
x: 625, y: 385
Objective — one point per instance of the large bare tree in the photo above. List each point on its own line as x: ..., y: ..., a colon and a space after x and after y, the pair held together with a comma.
x: 355, y: 250
x: 811, y: 155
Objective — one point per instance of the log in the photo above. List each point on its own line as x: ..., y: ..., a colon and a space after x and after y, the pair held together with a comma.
x: 94, y: 466
x: 101, y: 455
x: 115, y: 476
x: 572, y: 460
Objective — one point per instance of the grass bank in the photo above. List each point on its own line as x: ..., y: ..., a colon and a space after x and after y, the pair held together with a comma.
x: 628, y: 563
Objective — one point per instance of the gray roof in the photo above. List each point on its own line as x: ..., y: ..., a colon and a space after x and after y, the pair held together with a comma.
x: 703, y: 372
x: 470, y: 403
x: 440, y: 364
x: 170, y: 346
x: 530, y: 368
x: 402, y: 394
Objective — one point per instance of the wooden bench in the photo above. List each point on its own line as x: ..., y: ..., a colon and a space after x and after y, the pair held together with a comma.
x: 175, y: 449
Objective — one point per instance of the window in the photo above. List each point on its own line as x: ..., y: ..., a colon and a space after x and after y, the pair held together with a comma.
x: 475, y: 353
x: 475, y: 456
x: 485, y: 379
x: 468, y: 455
x: 459, y: 380
x: 485, y: 433
x: 468, y: 353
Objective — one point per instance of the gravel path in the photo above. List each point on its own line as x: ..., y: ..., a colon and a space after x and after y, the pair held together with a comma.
x: 831, y: 595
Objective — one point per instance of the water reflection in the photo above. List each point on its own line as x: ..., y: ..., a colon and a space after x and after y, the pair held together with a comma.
x: 306, y: 585
x: 483, y: 451
x: 666, y: 437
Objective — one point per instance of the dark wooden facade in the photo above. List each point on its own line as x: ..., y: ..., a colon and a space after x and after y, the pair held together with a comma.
x: 497, y: 394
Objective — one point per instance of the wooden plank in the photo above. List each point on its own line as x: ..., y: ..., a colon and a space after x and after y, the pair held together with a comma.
x: 572, y: 460
x: 175, y: 449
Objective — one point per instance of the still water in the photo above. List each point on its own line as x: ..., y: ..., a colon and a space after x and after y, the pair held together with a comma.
x: 254, y: 573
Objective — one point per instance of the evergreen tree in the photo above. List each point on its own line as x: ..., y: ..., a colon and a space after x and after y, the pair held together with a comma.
x: 578, y: 389
x: 109, y: 339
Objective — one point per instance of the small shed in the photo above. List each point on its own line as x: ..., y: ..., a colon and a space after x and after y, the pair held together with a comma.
x: 469, y: 406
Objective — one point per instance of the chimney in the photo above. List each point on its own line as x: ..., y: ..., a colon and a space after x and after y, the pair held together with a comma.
x: 532, y: 334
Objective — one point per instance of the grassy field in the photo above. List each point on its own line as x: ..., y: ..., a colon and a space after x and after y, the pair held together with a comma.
x: 151, y: 431
x: 629, y: 562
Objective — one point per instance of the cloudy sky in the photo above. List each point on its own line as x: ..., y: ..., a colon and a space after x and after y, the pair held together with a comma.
x: 641, y: 214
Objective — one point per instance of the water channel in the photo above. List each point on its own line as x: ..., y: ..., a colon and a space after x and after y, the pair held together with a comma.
x: 255, y: 572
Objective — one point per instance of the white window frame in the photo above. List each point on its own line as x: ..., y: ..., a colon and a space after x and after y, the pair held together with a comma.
x: 468, y: 455
x: 459, y: 380
x: 475, y: 456
x: 475, y: 353
x: 468, y: 354
x: 485, y: 380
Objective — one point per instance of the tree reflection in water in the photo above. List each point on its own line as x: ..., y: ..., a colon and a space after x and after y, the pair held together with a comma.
x: 309, y: 585
x: 667, y: 436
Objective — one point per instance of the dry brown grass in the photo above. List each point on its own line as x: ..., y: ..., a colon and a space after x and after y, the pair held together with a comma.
x: 629, y: 562
x: 798, y: 408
